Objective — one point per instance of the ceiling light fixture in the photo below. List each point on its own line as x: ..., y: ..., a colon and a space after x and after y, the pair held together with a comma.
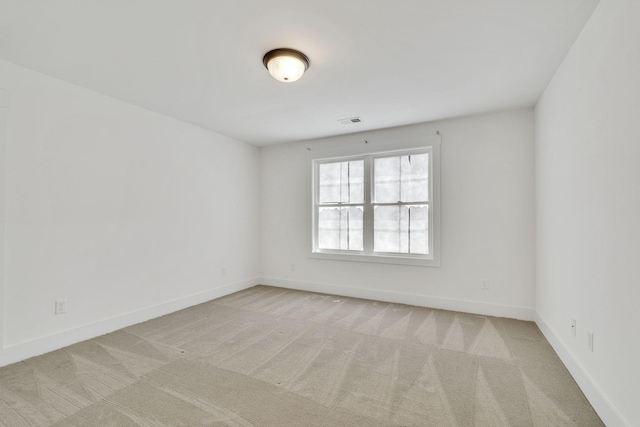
x: 286, y: 65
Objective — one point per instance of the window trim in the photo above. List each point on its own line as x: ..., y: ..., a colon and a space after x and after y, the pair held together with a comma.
x: 431, y: 144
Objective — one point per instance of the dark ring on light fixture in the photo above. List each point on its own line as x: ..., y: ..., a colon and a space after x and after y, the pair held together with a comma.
x: 285, y: 51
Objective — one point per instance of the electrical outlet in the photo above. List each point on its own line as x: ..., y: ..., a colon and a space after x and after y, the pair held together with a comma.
x: 573, y: 327
x: 590, y: 341
x: 485, y: 285
x: 61, y: 306
x: 223, y: 272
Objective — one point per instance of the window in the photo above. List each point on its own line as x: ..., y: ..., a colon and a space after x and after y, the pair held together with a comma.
x: 341, y: 205
x: 377, y: 207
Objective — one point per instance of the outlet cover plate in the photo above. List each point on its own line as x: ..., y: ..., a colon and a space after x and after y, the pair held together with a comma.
x: 61, y: 306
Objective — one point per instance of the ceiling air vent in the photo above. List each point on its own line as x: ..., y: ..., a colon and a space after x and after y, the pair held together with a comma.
x: 350, y: 120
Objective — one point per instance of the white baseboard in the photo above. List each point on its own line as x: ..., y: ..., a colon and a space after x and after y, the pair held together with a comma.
x: 487, y: 309
x: 20, y: 351
x: 602, y: 405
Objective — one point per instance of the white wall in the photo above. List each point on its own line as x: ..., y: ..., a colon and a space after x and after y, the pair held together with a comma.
x: 125, y: 213
x: 4, y: 104
x: 487, y: 221
x: 588, y: 210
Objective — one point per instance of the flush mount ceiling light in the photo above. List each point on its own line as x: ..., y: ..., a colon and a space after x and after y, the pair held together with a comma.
x: 286, y: 65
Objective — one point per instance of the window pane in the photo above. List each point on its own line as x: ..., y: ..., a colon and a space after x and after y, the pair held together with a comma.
x: 340, y: 228
x: 401, y: 229
x: 402, y: 179
x: 341, y: 182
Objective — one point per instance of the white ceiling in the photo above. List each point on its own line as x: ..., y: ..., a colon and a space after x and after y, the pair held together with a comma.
x: 390, y: 62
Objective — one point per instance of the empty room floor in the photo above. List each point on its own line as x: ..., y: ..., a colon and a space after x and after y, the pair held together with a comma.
x: 277, y: 357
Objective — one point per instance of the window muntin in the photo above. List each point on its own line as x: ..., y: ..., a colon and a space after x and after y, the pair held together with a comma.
x: 376, y: 207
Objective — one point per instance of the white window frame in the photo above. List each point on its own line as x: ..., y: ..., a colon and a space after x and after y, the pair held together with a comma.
x: 370, y: 151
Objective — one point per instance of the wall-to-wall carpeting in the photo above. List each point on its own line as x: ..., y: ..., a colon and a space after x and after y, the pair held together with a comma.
x: 275, y: 357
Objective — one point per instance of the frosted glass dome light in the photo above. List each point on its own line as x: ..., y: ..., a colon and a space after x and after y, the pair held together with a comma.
x: 286, y: 65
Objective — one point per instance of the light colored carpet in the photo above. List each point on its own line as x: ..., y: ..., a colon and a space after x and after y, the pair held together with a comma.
x: 274, y: 357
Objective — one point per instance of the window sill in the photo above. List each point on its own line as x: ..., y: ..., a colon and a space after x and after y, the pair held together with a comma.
x: 419, y: 261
